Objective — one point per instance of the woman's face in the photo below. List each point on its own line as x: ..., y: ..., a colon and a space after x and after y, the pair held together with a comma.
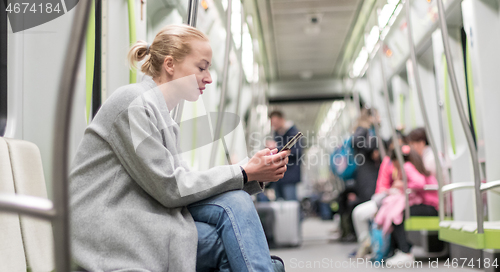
x: 196, y: 63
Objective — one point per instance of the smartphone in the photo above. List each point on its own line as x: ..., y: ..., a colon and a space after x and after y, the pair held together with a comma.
x: 292, y: 141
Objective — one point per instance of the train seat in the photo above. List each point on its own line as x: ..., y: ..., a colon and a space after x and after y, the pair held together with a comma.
x: 27, y: 178
x: 445, y: 224
x: 417, y: 223
x: 465, y: 233
x: 12, y: 256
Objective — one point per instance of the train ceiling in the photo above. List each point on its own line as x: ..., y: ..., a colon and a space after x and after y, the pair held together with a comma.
x: 304, y: 38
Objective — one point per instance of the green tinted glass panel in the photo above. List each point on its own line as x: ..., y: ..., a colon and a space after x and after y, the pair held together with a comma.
x: 89, y: 62
x: 447, y: 105
x: 132, y: 35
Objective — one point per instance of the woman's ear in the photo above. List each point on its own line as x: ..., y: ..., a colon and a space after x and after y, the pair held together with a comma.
x: 168, y: 65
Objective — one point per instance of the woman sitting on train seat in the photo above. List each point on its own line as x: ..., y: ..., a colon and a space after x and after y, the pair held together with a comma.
x: 418, y: 141
x: 364, y: 213
x: 136, y: 205
x: 422, y: 203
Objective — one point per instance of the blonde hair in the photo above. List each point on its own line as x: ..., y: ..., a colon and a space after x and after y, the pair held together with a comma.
x: 172, y: 40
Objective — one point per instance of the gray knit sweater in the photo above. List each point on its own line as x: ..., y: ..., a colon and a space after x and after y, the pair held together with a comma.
x: 130, y: 187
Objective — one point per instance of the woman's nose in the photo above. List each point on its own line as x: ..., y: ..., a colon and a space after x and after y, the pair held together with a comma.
x: 208, y: 79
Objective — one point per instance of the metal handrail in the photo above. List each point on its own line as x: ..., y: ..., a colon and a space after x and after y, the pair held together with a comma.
x: 191, y: 20
x: 457, y: 185
x: 490, y: 185
x: 222, y: 105
x: 463, y: 118
x: 431, y: 187
x: 466, y: 185
x: 397, y: 148
x: 430, y: 136
x: 27, y: 205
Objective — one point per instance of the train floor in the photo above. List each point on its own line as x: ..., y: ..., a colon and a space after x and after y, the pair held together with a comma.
x: 319, y: 252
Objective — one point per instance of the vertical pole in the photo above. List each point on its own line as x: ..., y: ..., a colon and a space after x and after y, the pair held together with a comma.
x: 191, y: 20
x: 241, y: 78
x: 222, y: 104
x: 463, y: 118
x: 381, y: 148
x: 3, y: 69
x: 61, y: 227
x: 397, y: 148
x: 430, y: 136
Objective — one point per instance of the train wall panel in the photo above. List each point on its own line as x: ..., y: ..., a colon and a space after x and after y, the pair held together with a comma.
x: 480, y: 17
x: 33, y: 88
x: 461, y: 166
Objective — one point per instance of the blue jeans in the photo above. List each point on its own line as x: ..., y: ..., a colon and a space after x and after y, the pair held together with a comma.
x: 230, y: 231
x: 211, y: 254
x: 287, y: 191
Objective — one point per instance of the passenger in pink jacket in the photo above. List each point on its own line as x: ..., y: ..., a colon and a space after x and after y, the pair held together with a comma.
x: 365, y: 212
x: 422, y: 203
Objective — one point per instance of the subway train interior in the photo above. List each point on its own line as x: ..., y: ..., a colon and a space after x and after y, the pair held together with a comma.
x: 398, y: 166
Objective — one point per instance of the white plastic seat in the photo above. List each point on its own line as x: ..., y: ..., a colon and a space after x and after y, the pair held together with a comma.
x: 458, y: 225
x: 445, y: 224
x: 12, y: 256
x: 28, y: 177
x: 472, y: 226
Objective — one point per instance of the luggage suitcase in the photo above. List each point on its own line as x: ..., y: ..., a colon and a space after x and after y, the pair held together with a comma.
x: 281, y: 222
x: 286, y: 229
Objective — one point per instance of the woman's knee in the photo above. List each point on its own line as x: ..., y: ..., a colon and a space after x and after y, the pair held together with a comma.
x: 236, y: 200
x: 358, y: 213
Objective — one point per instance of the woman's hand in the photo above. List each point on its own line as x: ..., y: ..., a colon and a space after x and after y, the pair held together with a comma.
x: 265, y: 167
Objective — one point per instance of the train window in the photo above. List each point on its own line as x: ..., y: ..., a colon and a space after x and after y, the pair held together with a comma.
x: 3, y: 69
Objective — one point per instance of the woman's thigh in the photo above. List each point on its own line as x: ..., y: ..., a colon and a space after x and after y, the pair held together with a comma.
x: 225, y: 205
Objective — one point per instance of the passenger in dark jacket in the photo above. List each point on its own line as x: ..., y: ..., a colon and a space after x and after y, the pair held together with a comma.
x: 367, y: 158
x: 283, y: 132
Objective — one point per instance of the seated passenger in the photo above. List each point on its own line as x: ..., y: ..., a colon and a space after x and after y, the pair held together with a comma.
x: 418, y: 141
x: 136, y: 205
x: 367, y: 159
x: 422, y: 203
x: 365, y: 212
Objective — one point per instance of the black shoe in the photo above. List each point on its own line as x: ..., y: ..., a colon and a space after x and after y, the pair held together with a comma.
x: 278, y: 264
x: 349, y: 238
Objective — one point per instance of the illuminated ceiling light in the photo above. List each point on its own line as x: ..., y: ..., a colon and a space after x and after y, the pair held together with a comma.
x: 372, y: 38
x: 247, y: 56
x: 360, y: 62
x: 396, y: 13
x: 204, y: 4
x: 384, y: 33
x: 224, y: 4
x: 385, y: 15
x: 388, y: 52
x: 236, y: 23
